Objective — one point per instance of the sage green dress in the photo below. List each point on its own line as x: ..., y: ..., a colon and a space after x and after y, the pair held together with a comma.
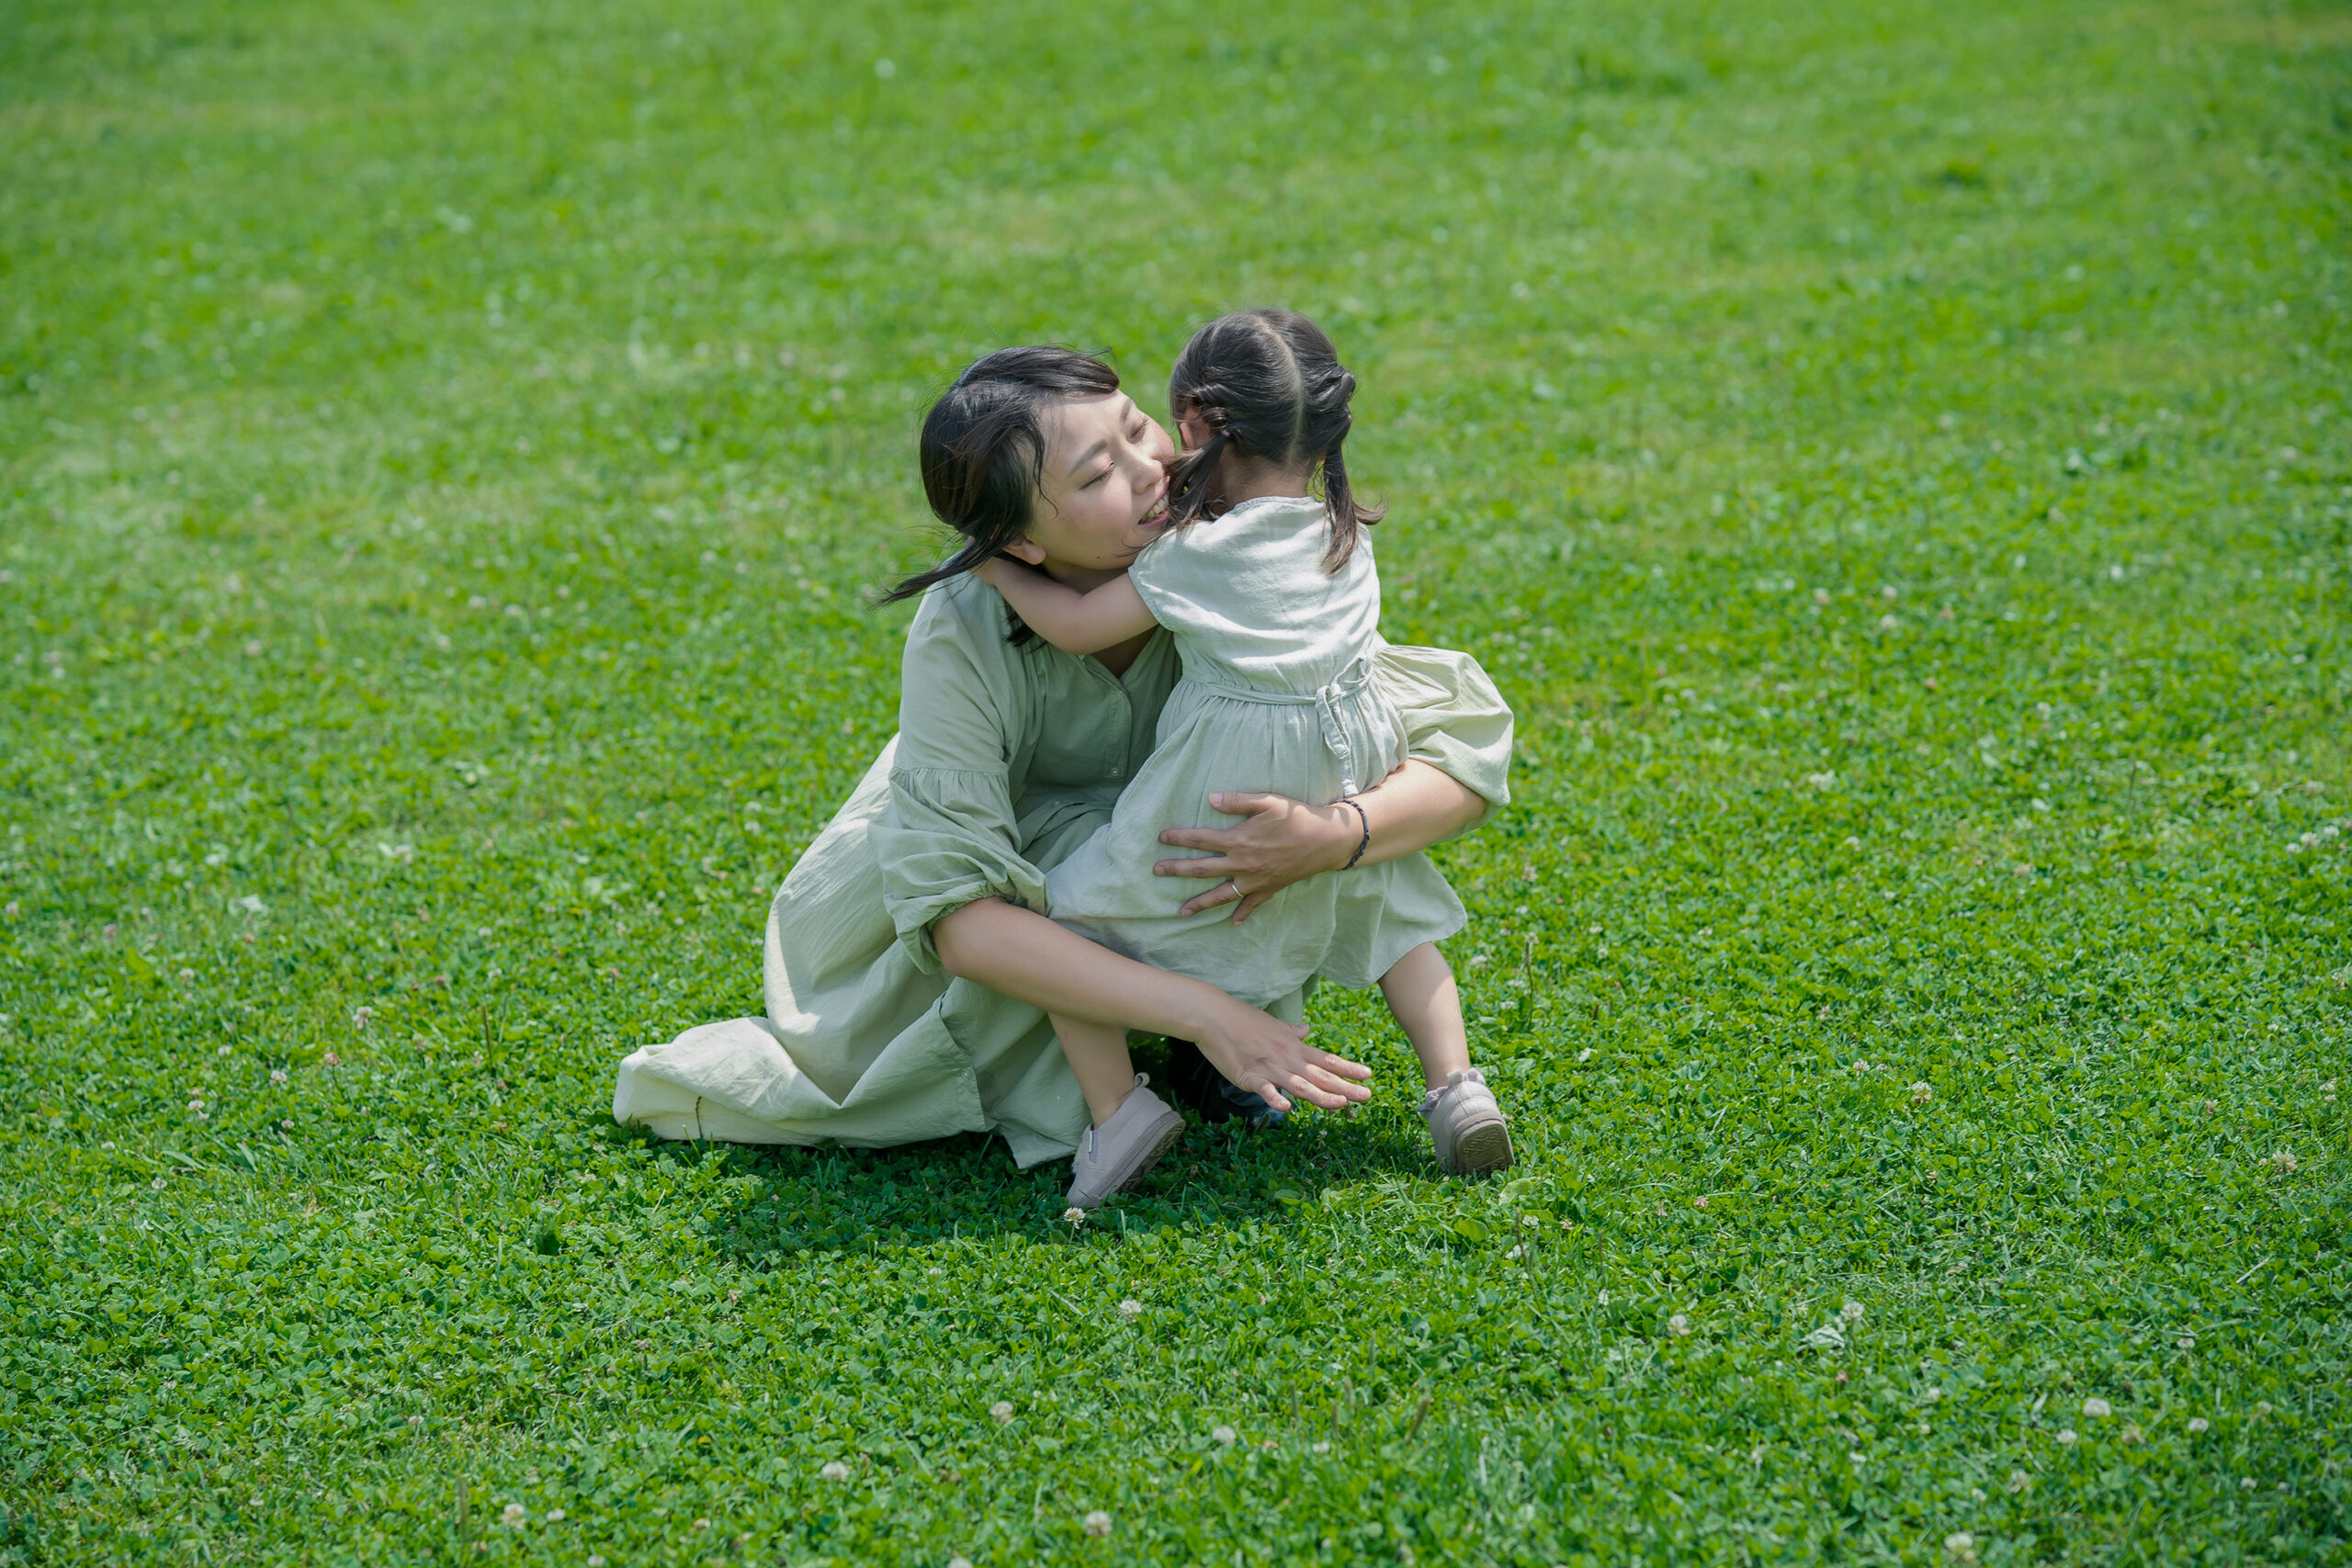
x: 1007, y: 759
x: 1278, y: 695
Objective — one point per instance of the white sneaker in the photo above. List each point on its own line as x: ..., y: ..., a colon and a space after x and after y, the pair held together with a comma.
x: 1113, y: 1158
x: 1472, y: 1134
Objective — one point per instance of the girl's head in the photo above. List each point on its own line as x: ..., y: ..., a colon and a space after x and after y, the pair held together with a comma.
x: 1035, y: 453
x: 1264, y: 387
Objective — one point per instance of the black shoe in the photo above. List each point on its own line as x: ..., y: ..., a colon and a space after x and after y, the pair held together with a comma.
x: 1210, y: 1095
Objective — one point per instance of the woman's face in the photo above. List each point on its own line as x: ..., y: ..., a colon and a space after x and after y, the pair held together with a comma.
x: 1103, y: 494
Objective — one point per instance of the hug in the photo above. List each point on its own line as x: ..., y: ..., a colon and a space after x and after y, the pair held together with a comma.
x: 1137, y: 646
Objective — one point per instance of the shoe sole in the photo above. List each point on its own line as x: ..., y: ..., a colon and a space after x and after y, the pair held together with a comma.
x: 1160, y: 1145
x: 1483, y: 1149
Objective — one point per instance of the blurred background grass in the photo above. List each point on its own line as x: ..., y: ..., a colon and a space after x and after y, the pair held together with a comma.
x: 1892, y: 455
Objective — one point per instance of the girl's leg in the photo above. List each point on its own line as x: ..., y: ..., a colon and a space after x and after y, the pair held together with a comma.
x: 1098, y: 1055
x: 1428, y: 1007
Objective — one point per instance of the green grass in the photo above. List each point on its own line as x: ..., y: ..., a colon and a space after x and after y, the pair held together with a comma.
x: 1894, y: 459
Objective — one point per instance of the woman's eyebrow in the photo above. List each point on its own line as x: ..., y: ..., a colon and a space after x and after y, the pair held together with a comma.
x: 1083, y: 458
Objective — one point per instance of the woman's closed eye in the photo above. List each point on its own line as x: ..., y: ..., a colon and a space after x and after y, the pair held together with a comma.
x: 1136, y: 436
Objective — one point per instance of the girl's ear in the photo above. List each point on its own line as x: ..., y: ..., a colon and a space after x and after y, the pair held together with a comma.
x: 1025, y: 551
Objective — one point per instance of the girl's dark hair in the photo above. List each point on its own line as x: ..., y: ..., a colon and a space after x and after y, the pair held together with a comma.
x: 1270, y: 386
x: 983, y: 451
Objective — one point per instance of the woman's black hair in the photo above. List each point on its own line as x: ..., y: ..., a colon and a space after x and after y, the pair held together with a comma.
x: 1268, y: 385
x: 983, y: 451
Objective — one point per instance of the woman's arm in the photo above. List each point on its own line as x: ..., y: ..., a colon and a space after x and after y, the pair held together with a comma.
x: 1023, y: 955
x: 1071, y: 621
x: 1286, y: 841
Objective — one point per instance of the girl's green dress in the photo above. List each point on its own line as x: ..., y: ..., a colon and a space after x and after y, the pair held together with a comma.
x: 1278, y: 695
x: 1007, y: 759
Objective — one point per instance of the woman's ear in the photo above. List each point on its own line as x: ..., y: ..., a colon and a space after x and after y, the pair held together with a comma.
x: 1026, y: 552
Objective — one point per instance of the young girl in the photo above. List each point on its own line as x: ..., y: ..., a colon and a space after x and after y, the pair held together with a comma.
x: 1274, y: 604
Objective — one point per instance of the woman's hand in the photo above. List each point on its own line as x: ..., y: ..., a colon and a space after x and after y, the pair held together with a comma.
x: 1272, y: 1059
x: 1283, y: 841
x: 1286, y: 841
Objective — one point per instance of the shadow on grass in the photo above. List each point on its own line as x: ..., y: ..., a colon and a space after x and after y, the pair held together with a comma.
x: 812, y: 1200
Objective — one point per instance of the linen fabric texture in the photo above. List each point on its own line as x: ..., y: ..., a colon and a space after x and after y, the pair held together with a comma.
x: 1278, y: 695
x: 1007, y: 759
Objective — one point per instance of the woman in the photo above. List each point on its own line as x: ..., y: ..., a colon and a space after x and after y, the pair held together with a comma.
x: 910, y: 964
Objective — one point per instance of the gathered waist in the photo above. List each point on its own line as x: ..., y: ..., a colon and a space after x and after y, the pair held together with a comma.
x: 1353, y: 678
x: 1351, y: 682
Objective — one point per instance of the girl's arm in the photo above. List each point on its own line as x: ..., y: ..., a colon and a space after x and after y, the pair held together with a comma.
x: 1020, y: 954
x: 1071, y: 621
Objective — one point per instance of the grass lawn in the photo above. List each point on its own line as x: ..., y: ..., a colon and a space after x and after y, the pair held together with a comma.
x: 1893, y: 456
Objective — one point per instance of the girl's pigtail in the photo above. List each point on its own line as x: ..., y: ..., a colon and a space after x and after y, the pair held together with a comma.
x: 1189, y: 481
x: 1345, y: 517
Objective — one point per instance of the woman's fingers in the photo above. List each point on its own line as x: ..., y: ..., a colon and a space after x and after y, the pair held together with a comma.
x: 1249, y: 904
x: 1273, y: 1095
x: 1196, y: 865
x: 1342, y: 1066
x: 1225, y: 892
x: 1245, y: 802
x: 1215, y: 841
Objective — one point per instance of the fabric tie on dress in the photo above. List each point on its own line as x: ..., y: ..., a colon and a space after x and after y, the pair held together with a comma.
x: 1348, y: 683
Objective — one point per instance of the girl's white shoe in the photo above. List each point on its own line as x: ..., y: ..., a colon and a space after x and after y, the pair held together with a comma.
x: 1115, y: 1157
x: 1472, y: 1134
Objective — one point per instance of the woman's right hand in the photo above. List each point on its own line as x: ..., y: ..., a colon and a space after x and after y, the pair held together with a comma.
x: 1273, y: 1060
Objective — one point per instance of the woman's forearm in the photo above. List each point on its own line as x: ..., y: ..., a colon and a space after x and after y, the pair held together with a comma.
x: 1023, y: 955
x: 1418, y: 805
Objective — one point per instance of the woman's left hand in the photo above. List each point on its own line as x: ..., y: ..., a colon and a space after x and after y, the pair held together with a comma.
x: 1281, y: 842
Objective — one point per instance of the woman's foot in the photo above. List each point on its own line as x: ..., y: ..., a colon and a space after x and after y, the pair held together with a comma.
x: 1473, y: 1135
x: 1210, y: 1095
x: 1113, y: 1158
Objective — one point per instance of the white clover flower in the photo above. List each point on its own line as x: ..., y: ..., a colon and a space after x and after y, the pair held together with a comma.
x: 512, y: 1516
x: 702, y: 1524
x: 1962, y: 1546
x: 2019, y: 1480
x: 595, y: 1560
x: 416, y: 1420
x: 1922, y: 1092
x: 2187, y: 1342
x: 225, y: 1051
x: 555, y: 1515
x: 834, y: 1471
x: 1073, y: 1216
x: 2097, y: 1406
x: 278, y: 1075
x: 1224, y: 1434
x: 2261, y: 1408
x: 1678, y: 1325
x: 959, y: 1561
x: 2247, y: 1483
x: 2198, y: 1424
x: 2283, y: 1163
x: 1934, y: 1396
x: 1320, y: 1448
x: 362, y: 1017
x: 1852, y: 1312
x: 2131, y: 1433
x: 1699, y: 1203
x: 1131, y: 1308
x: 2066, y: 1436
x: 1098, y: 1524
x: 1002, y: 1411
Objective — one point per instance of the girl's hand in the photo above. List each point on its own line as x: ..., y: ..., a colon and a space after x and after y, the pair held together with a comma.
x: 1272, y: 1059
x: 1284, y: 840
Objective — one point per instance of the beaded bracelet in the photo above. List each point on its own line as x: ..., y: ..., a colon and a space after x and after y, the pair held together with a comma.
x: 1365, y: 842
